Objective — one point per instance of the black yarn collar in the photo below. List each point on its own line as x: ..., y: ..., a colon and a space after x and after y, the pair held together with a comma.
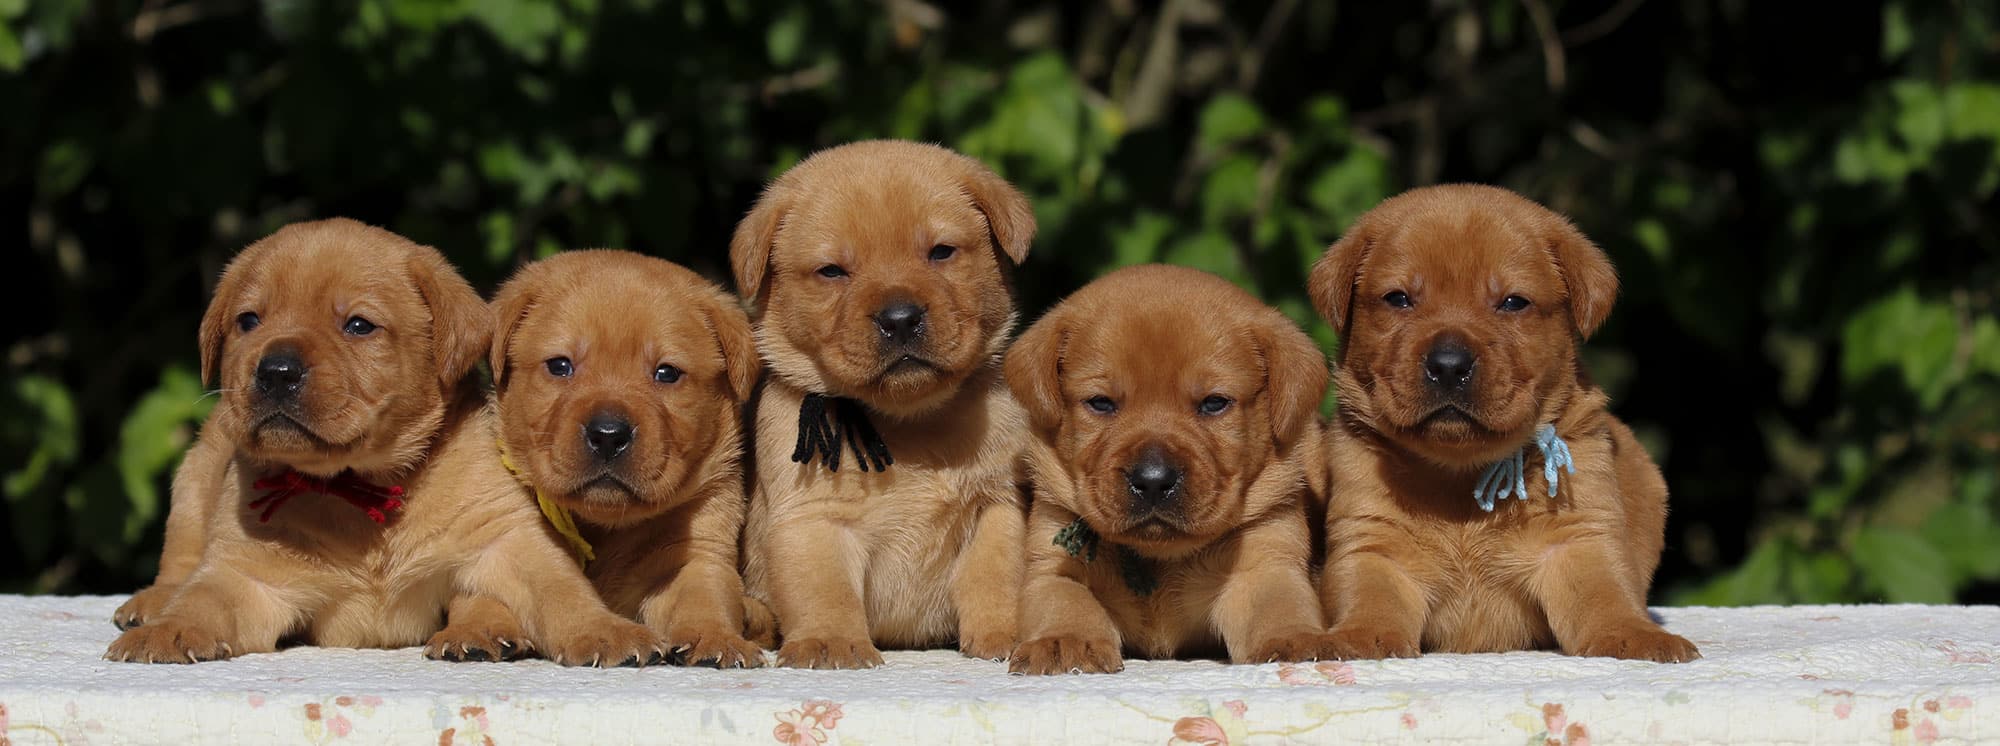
x: 825, y: 421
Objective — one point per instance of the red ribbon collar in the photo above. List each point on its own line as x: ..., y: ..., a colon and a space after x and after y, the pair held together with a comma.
x: 378, y: 502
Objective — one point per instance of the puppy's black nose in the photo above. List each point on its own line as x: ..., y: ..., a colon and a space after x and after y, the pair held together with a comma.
x: 1153, y: 481
x: 608, y: 436
x: 281, y: 374
x: 1449, y: 364
x: 900, y: 322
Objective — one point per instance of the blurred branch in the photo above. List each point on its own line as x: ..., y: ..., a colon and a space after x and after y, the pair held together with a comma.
x: 1553, y: 60
x: 155, y: 16
x: 1605, y: 23
x: 1148, y: 97
x: 1252, y: 64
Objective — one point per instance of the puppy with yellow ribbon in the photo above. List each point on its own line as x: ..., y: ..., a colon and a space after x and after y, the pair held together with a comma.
x: 619, y: 380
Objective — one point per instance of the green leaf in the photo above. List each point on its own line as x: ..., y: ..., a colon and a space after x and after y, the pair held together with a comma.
x: 1753, y: 583
x: 152, y: 439
x: 1139, y: 242
x: 1230, y: 191
x: 1910, y: 334
x: 1967, y: 536
x: 1227, y: 119
x: 1350, y: 187
x: 786, y: 36
x: 1902, y: 566
x: 47, y: 425
x: 1818, y: 578
x: 11, y: 59
x: 1211, y: 251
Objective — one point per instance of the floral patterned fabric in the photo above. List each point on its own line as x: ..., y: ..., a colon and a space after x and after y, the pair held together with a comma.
x: 1869, y: 674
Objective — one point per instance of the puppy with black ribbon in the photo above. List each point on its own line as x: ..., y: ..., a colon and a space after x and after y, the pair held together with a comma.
x: 886, y: 508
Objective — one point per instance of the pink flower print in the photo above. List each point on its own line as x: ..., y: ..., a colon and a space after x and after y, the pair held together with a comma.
x: 1552, y: 718
x: 1236, y: 707
x: 807, y: 725
x: 339, y: 726
x: 828, y: 714
x: 1409, y: 721
x: 1339, y: 672
x: 1334, y: 672
x: 1577, y: 735
x: 256, y: 701
x: 1956, y: 702
x: 1926, y: 731
x: 795, y: 730
x: 1199, y: 732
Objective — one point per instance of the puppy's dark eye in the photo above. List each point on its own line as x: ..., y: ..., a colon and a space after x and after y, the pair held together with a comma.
x: 559, y: 367
x: 247, y: 321
x: 833, y: 271
x: 1215, y: 405
x: 942, y: 252
x: 1101, y: 404
x: 358, y: 326
x: 666, y: 374
x: 1397, y: 299
x: 1514, y: 303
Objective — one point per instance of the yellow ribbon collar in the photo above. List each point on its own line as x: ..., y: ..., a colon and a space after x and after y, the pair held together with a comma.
x: 558, y: 516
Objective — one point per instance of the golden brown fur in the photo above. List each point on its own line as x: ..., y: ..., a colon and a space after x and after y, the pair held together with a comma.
x: 929, y: 550
x: 662, y: 512
x: 1177, y: 368
x: 392, y: 405
x: 1413, y: 563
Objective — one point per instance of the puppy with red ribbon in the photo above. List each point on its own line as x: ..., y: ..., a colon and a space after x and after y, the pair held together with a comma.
x: 346, y: 491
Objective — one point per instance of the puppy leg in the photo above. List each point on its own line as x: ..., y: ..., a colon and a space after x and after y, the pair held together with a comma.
x: 1378, y: 607
x: 986, y: 585
x: 1595, y: 600
x: 815, y: 578
x: 1592, y: 610
x: 224, y: 610
x: 1067, y: 628
x: 700, y: 612
x: 478, y: 628
x: 564, y: 617
x: 1267, y: 610
x: 198, y: 484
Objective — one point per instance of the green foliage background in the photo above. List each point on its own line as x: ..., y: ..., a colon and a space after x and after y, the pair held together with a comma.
x: 1801, y: 199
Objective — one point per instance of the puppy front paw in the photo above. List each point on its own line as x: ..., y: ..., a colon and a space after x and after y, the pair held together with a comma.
x: 986, y: 645
x: 831, y: 652
x: 1354, y: 642
x: 614, y: 641
x: 167, y: 641
x: 144, y: 605
x: 1291, y: 647
x: 1642, y: 642
x: 1062, y: 654
x: 713, y: 648
x: 480, y: 641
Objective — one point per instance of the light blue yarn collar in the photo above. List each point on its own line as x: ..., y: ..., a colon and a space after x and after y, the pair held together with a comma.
x: 1509, y: 475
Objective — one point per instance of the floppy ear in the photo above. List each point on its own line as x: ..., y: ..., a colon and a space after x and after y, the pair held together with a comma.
x: 1033, y: 369
x: 731, y: 327
x: 461, y: 325
x: 1008, y: 214
x: 221, y: 313
x: 1337, y: 272
x: 1587, y: 275
x: 508, y: 309
x: 750, y: 248
x: 1295, y: 378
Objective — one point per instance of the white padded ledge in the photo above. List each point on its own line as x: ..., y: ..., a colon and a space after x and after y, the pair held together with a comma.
x: 1821, y: 674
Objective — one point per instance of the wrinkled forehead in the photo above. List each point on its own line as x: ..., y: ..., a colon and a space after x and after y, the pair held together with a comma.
x: 1162, y: 351
x: 876, y: 217
x: 329, y: 277
x: 623, y: 322
x: 1467, y: 252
